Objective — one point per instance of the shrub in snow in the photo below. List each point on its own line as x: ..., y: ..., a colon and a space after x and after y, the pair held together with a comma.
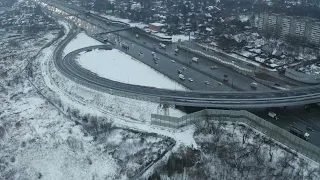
x: 2, y: 132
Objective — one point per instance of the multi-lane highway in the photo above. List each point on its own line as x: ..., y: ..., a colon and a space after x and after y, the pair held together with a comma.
x: 237, y: 81
x: 300, y: 96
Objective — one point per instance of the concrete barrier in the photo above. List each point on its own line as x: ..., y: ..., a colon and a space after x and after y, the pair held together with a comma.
x: 216, y: 59
x: 267, y: 128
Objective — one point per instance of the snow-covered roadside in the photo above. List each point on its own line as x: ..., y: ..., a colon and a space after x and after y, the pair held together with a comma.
x: 97, y: 168
x: 125, y: 112
x: 118, y: 66
x: 80, y: 41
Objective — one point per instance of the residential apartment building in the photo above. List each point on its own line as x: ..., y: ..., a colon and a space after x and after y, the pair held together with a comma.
x: 290, y: 28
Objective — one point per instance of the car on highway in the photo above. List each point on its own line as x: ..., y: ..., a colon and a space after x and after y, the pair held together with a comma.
x: 190, y: 79
x: 309, y: 128
x: 220, y: 83
x: 206, y: 82
x: 213, y: 67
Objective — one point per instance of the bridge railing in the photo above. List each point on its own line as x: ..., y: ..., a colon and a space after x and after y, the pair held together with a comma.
x: 265, y: 127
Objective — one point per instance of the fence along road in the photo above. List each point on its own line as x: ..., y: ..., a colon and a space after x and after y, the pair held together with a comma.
x: 269, y: 129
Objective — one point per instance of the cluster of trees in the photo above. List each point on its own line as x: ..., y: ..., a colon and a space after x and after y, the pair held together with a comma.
x: 236, y: 153
x: 7, y: 3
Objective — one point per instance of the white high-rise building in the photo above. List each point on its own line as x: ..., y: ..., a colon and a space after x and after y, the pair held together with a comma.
x: 301, y: 29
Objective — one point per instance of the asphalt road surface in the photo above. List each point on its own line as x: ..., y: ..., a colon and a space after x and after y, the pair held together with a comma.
x: 235, y: 80
x: 298, y: 117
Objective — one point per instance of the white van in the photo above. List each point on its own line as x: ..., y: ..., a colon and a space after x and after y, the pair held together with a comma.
x: 195, y: 59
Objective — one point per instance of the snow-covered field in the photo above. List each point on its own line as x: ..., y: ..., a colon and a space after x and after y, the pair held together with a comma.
x: 118, y: 66
x: 234, y: 151
x: 42, y: 141
x: 80, y: 41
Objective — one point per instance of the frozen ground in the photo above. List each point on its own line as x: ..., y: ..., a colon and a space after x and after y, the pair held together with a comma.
x: 118, y: 66
x: 80, y: 41
x: 41, y: 141
x: 234, y: 151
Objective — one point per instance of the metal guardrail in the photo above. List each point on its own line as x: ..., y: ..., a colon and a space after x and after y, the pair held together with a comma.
x: 267, y: 128
x: 302, y: 77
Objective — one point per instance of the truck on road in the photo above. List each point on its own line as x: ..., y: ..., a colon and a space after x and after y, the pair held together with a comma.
x: 273, y: 115
x: 299, y: 133
x: 181, y: 76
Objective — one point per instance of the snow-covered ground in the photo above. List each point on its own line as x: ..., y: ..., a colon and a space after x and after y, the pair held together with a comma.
x: 234, y: 151
x: 38, y: 142
x: 118, y: 66
x: 80, y: 41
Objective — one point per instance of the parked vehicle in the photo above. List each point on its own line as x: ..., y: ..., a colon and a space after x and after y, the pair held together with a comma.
x: 273, y: 115
x: 195, y: 59
x: 220, y: 83
x: 207, y: 82
x: 179, y: 71
x: 137, y: 36
x: 173, y: 61
x: 140, y: 53
x: 153, y: 53
x: 190, y: 79
x: 181, y: 76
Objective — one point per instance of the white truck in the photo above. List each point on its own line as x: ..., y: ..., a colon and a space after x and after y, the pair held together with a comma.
x: 195, y: 59
x: 273, y: 115
x: 163, y: 46
x: 181, y: 76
